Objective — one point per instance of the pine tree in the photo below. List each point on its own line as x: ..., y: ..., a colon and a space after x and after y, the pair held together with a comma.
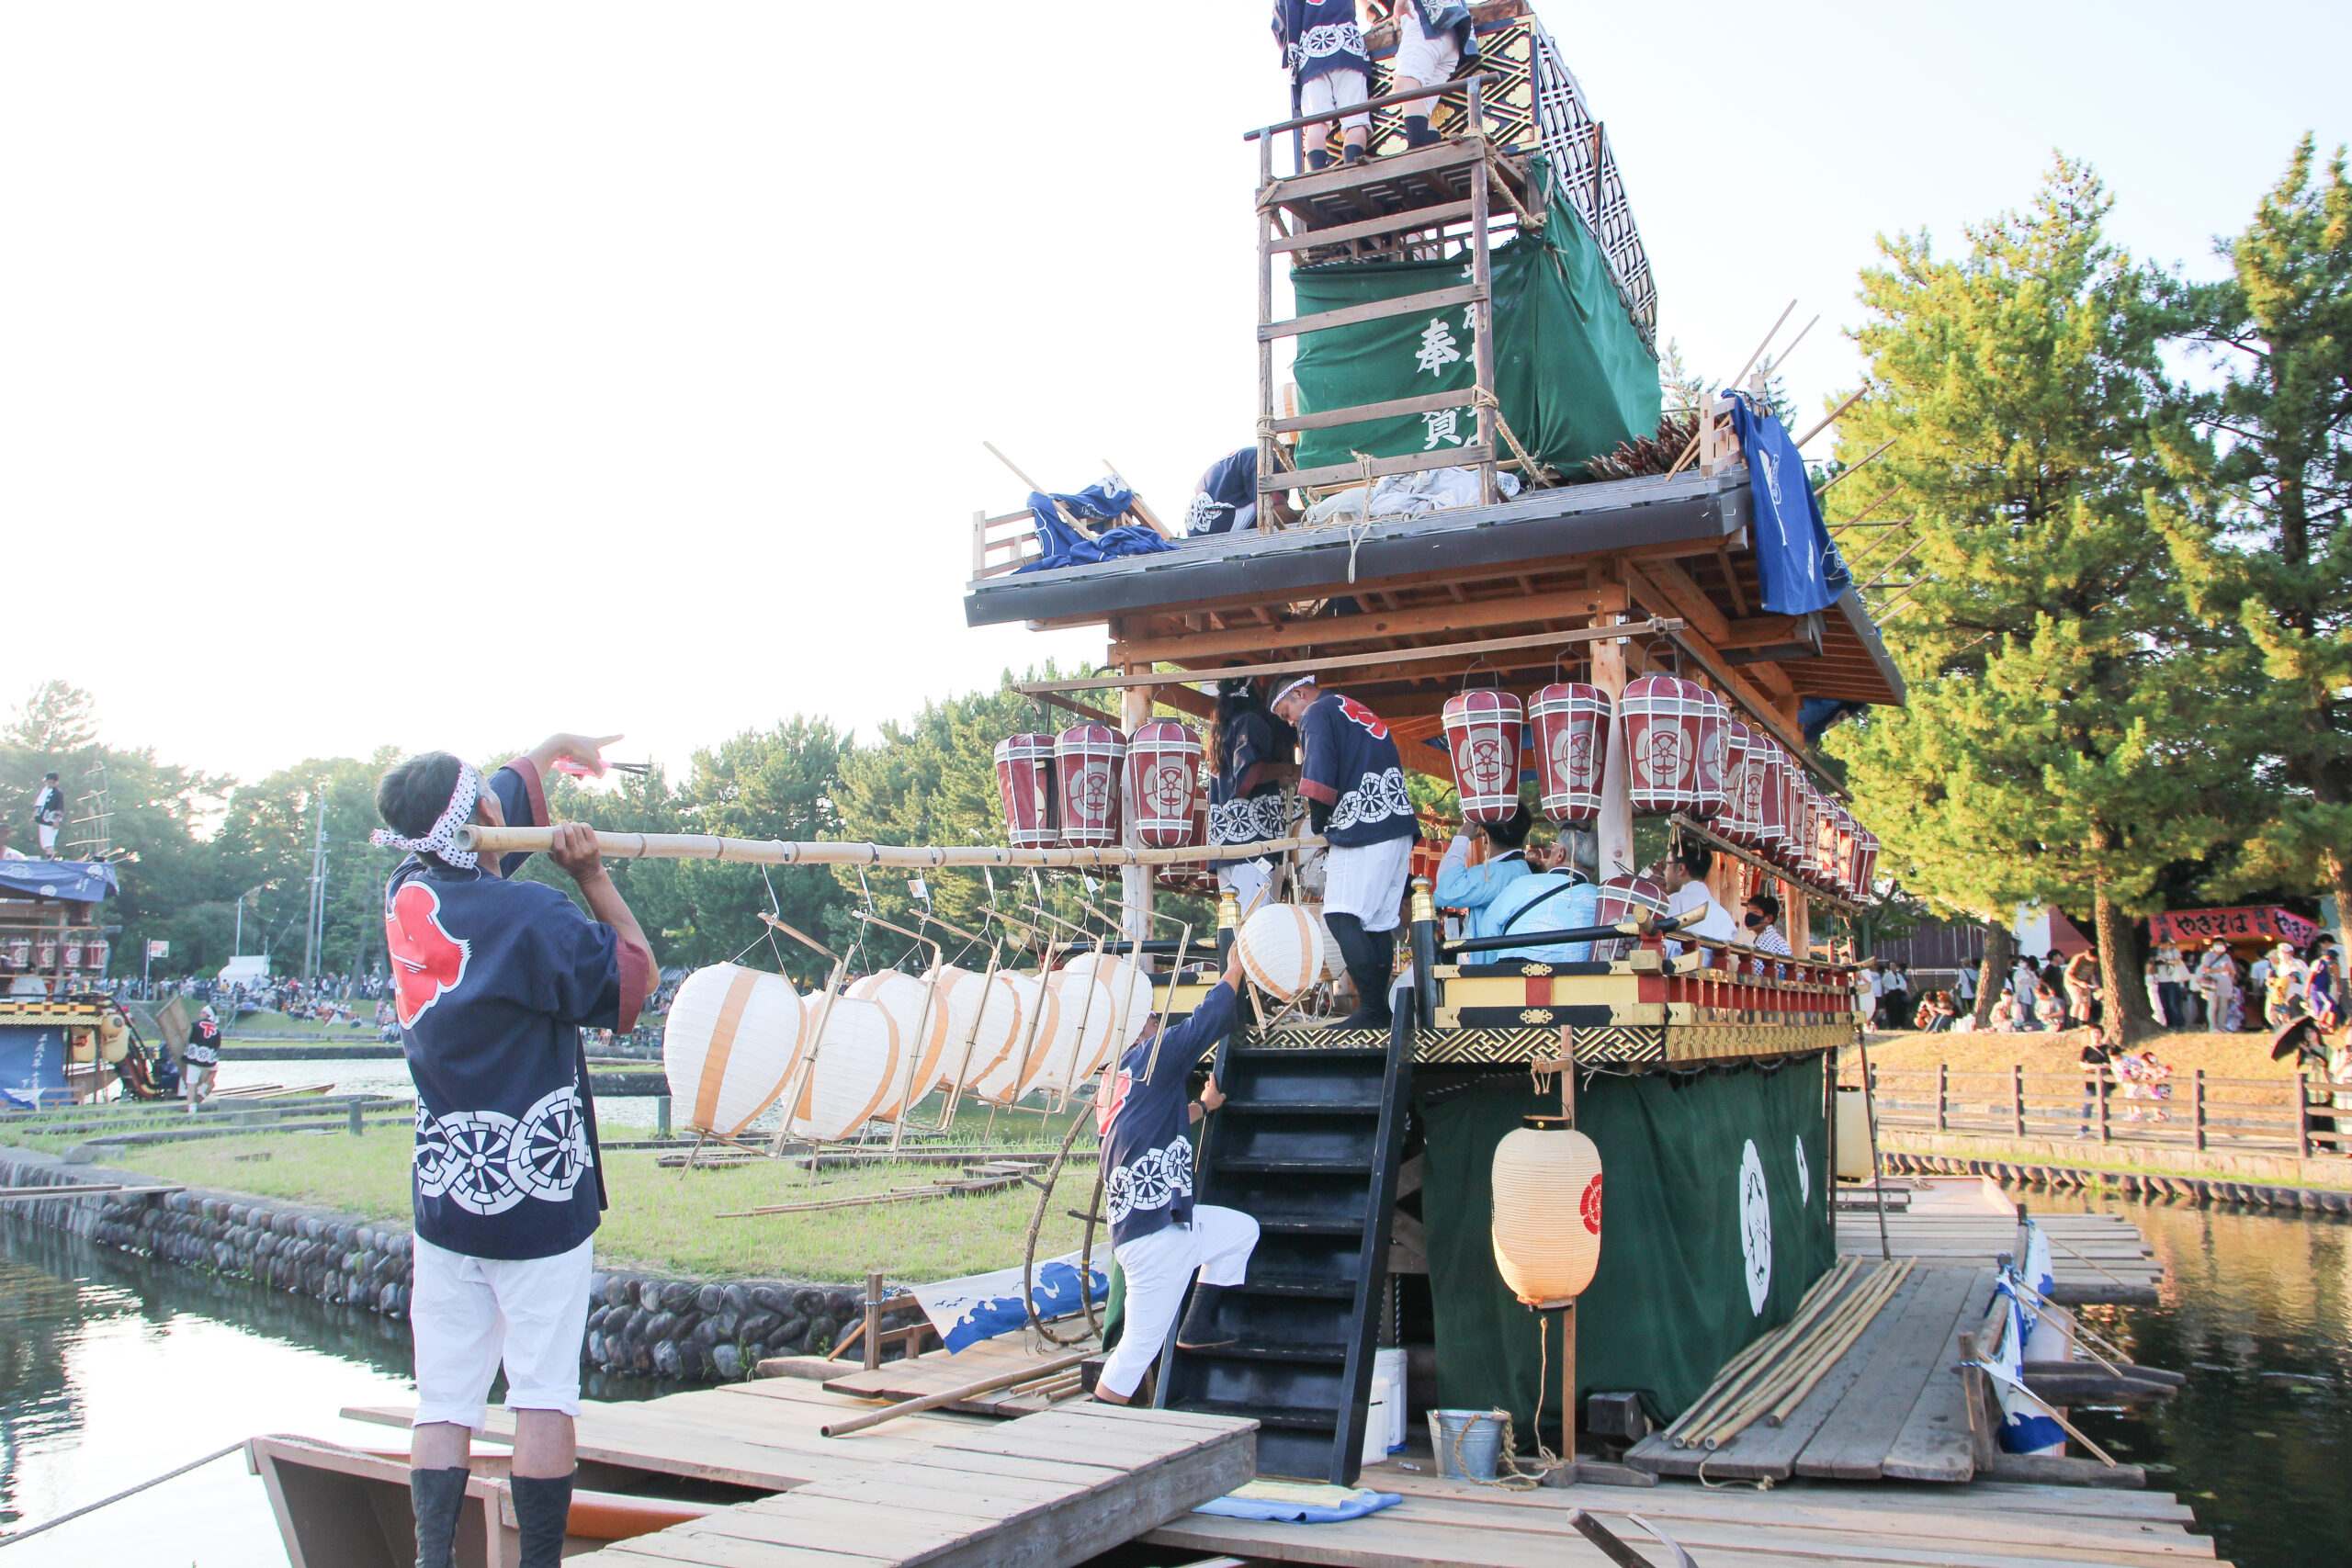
x: 2050, y: 745
x: 2269, y: 557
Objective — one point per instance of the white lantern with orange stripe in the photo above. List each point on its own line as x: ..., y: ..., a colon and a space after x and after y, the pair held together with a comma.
x: 853, y: 1072
x: 979, y: 1031
x: 921, y: 1020
x: 1006, y: 1080
x: 1089, y: 1015
x: 729, y: 1044
x: 1281, y: 949
x: 1118, y: 974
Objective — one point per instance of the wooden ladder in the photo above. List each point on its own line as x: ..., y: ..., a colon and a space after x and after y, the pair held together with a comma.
x: 1385, y: 199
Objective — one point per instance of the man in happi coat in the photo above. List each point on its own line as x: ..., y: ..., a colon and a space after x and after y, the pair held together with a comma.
x: 1354, y: 785
x: 492, y: 982
x: 49, y: 815
x: 1250, y: 761
x: 1431, y: 37
x: 1322, y: 47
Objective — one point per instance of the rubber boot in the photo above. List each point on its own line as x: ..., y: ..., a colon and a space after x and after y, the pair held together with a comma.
x: 436, y: 1496
x: 542, y: 1508
x: 1369, y: 960
x: 1352, y: 153
x: 1200, y: 1331
x: 1418, y: 132
x: 1318, y: 160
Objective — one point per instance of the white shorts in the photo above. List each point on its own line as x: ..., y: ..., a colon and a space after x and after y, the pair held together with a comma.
x: 1424, y: 58
x: 1158, y: 1266
x: 196, y: 1078
x: 1335, y: 90
x: 467, y: 1314
x: 48, y: 834
x: 1368, y: 882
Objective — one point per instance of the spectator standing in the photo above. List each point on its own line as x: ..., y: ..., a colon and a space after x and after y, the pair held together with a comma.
x: 2080, y: 985
x: 2095, y: 1057
x: 1898, y: 1008
x: 203, y: 1054
x: 2172, y: 985
x: 1963, y: 991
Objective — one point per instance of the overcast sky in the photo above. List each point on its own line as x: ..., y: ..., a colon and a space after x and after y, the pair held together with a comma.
x: 444, y: 374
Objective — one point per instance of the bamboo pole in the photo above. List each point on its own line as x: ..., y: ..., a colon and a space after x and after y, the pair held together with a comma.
x: 778, y: 851
x: 950, y: 1396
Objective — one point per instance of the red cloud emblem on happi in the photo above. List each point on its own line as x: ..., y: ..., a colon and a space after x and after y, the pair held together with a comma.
x: 427, y: 962
x: 1364, y: 717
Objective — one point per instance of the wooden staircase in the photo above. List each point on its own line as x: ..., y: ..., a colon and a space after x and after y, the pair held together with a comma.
x: 1308, y: 1143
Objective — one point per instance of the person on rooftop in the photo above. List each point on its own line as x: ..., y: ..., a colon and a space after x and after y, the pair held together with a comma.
x: 49, y: 815
x: 1322, y: 47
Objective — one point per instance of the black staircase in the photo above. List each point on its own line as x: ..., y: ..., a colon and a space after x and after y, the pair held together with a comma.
x: 1308, y: 1143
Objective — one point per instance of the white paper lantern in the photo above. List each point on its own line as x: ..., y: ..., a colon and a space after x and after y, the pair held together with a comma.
x: 855, y: 1069
x: 1118, y: 973
x: 731, y: 1044
x: 1547, y: 1214
x: 989, y: 1029
x: 1089, y: 1014
x: 922, y: 1021
x: 1281, y: 948
x: 1005, y: 1080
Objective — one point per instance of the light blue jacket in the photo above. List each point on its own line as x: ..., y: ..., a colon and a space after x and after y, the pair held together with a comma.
x: 1495, y: 893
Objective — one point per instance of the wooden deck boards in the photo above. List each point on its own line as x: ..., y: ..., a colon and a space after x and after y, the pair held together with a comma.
x: 2092, y: 1257
x: 939, y: 1371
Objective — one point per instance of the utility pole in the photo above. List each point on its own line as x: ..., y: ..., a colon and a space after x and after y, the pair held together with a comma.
x: 314, y: 929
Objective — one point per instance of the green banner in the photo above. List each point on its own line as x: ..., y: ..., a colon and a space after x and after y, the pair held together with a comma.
x: 1714, y: 1225
x: 1572, y: 377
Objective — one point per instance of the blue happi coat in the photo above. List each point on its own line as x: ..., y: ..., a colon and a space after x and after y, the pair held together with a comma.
x: 1352, y: 767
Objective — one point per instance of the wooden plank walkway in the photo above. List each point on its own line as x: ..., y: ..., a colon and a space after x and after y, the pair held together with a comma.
x: 1446, y: 1524
x: 939, y: 1371
x: 1050, y: 1489
x: 2093, y: 1257
x: 1890, y: 1408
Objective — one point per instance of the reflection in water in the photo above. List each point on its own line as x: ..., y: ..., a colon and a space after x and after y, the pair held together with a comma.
x: 113, y: 1370
x: 2258, y: 1313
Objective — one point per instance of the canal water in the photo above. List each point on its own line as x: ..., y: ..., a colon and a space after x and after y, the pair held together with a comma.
x: 112, y: 1370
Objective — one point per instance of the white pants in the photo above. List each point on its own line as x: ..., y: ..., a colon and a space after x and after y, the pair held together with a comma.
x: 196, y: 1080
x: 1251, y: 883
x: 1157, y: 1268
x: 1424, y: 58
x: 1368, y: 882
x: 1335, y: 90
x: 468, y: 1314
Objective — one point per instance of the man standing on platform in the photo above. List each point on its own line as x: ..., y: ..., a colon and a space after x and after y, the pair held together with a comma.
x: 1354, y: 786
x: 1322, y: 47
x: 49, y: 815
x: 493, y: 981
x: 1432, y: 36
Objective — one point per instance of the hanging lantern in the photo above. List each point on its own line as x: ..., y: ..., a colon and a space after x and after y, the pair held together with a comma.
x: 1665, y: 728
x: 1163, y: 779
x: 95, y: 954
x: 1620, y: 895
x: 978, y: 1032
x: 45, y: 955
x: 73, y: 953
x: 1119, y: 973
x: 1547, y: 1214
x: 729, y: 1044
x: 1089, y: 1015
x: 1000, y: 1082
x: 1714, y: 754
x: 1848, y: 846
x: 855, y: 1070
x: 1742, y: 786
x: 17, y: 951
x: 1482, y: 728
x: 1825, y: 841
x: 1766, y: 782
x: 1087, y: 760
x: 920, y: 1016
x: 1571, y: 723
x: 1282, y: 949
x: 1025, y: 785
x: 1866, y: 848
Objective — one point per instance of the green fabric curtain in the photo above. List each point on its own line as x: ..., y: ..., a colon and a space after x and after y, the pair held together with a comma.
x: 1672, y: 1299
x: 1571, y: 374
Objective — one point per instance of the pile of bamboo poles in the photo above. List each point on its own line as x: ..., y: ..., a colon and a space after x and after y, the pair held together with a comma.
x: 1770, y: 1378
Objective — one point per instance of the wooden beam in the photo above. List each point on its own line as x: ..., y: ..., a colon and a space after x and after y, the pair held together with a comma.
x: 1686, y: 598
x: 1333, y: 631
x: 1345, y: 661
x: 1436, y: 300
x: 1766, y: 631
x: 1393, y: 223
x: 1464, y: 456
x: 1394, y: 408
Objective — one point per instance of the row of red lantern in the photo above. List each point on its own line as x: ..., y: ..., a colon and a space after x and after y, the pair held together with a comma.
x: 40, y: 955
x: 1078, y: 788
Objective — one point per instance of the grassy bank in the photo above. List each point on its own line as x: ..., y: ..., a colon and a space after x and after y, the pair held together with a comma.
x: 2221, y: 1056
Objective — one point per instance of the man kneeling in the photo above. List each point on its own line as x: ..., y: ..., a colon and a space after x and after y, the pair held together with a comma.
x: 1160, y: 1237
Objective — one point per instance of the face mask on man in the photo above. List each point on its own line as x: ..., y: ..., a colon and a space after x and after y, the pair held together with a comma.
x: 1753, y: 918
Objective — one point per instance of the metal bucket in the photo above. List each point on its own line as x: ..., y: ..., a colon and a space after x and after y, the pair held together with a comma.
x: 1479, y: 1437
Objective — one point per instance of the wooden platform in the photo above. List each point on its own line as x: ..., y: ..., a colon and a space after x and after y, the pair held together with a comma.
x: 2093, y: 1257
x: 1989, y: 1525
x: 1891, y: 1408
x: 939, y: 1371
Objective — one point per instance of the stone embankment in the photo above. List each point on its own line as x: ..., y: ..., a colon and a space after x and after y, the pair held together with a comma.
x: 689, y: 1330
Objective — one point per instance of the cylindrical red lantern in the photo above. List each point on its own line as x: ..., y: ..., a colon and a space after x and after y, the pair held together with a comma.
x: 1087, y: 758
x: 1571, y: 723
x: 1025, y: 785
x: 1848, y: 847
x: 1866, y: 847
x: 1714, y: 758
x: 1742, y: 800
x: 18, y: 950
x: 1620, y: 895
x: 1666, y: 723
x: 73, y: 953
x: 93, y: 956
x: 1768, y: 787
x: 1163, y: 783
x: 1482, y: 734
x: 45, y: 955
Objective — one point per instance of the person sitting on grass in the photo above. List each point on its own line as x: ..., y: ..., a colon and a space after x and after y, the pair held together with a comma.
x: 2049, y: 1012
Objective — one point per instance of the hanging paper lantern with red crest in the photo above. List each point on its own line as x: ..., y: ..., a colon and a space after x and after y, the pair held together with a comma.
x: 1482, y: 730
x: 1666, y: 719
x: 1163, y: 783
x: 1714, y: 756
x: 1743, y: 794
x: 1087, y: 758
x: 1866, y: 848
x: 1571, y: 722
x: 1025, y: 786
x: 1620, y: 895
x: 1767, y: 791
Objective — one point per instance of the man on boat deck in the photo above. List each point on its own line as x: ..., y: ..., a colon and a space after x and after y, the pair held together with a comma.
x: 1354, y: 786
x: 1158, y: 1234
x: 492, y: 982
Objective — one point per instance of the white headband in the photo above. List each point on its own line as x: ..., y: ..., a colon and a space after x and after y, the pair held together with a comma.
x: 1294, y: 686
x: 443, y: 839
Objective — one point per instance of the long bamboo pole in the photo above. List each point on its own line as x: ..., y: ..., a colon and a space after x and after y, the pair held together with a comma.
x: 949, y: 1396
x: 778, y: 851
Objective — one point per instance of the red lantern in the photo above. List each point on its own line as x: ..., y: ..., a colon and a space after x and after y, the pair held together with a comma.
x: 1743, y: 801
x: 1086, y: 775
x: 18, y: 950
x: 1667, y: 724
x: 1482, y: 732
x: 45, y: 955
x: 1620, y: 895
x: 1714, y: 756
x: 73, y: 953
x: 93, y: 956
x: 1163, y: 783
x: 1571, y: 723
x: 1846, y: 846
x: 1866, y: 847
x: 1767, y: 775
x: 1024, y: 784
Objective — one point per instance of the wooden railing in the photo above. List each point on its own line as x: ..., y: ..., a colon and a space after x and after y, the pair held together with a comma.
x: 2270, y: 1115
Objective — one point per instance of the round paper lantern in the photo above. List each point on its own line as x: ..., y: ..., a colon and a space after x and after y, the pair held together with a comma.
x: 1571, y: 722
x: 1119, y: 973
x: 1282, y: 949
x: 1666, y: 723
x: 1482, y: 733
x: 855, y: 1070
x: 1089, y: 1018
x: 731, y: 1044
x: 922, y: 1021
x: 1087, y: 758
x: 988, y: 1024
x: 1714, y: 756
x: 1025, y: 786
x: 1547, y: 1214
x: 1163, y: 783
x: 1742, y: 786
x: 1005, y: 1080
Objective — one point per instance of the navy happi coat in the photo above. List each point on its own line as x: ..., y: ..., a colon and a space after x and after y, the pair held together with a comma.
x: 1352, y: 767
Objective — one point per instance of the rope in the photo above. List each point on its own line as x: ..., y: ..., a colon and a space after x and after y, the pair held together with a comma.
x: 1482, y: 398
x: 16, y: 1536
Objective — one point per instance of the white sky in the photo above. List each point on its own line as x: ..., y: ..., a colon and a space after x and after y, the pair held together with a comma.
x: 444, y: 375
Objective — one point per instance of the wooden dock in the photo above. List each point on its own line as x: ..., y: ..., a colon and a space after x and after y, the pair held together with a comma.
x: 2093, y: 1257
x: 1453, y: 1524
